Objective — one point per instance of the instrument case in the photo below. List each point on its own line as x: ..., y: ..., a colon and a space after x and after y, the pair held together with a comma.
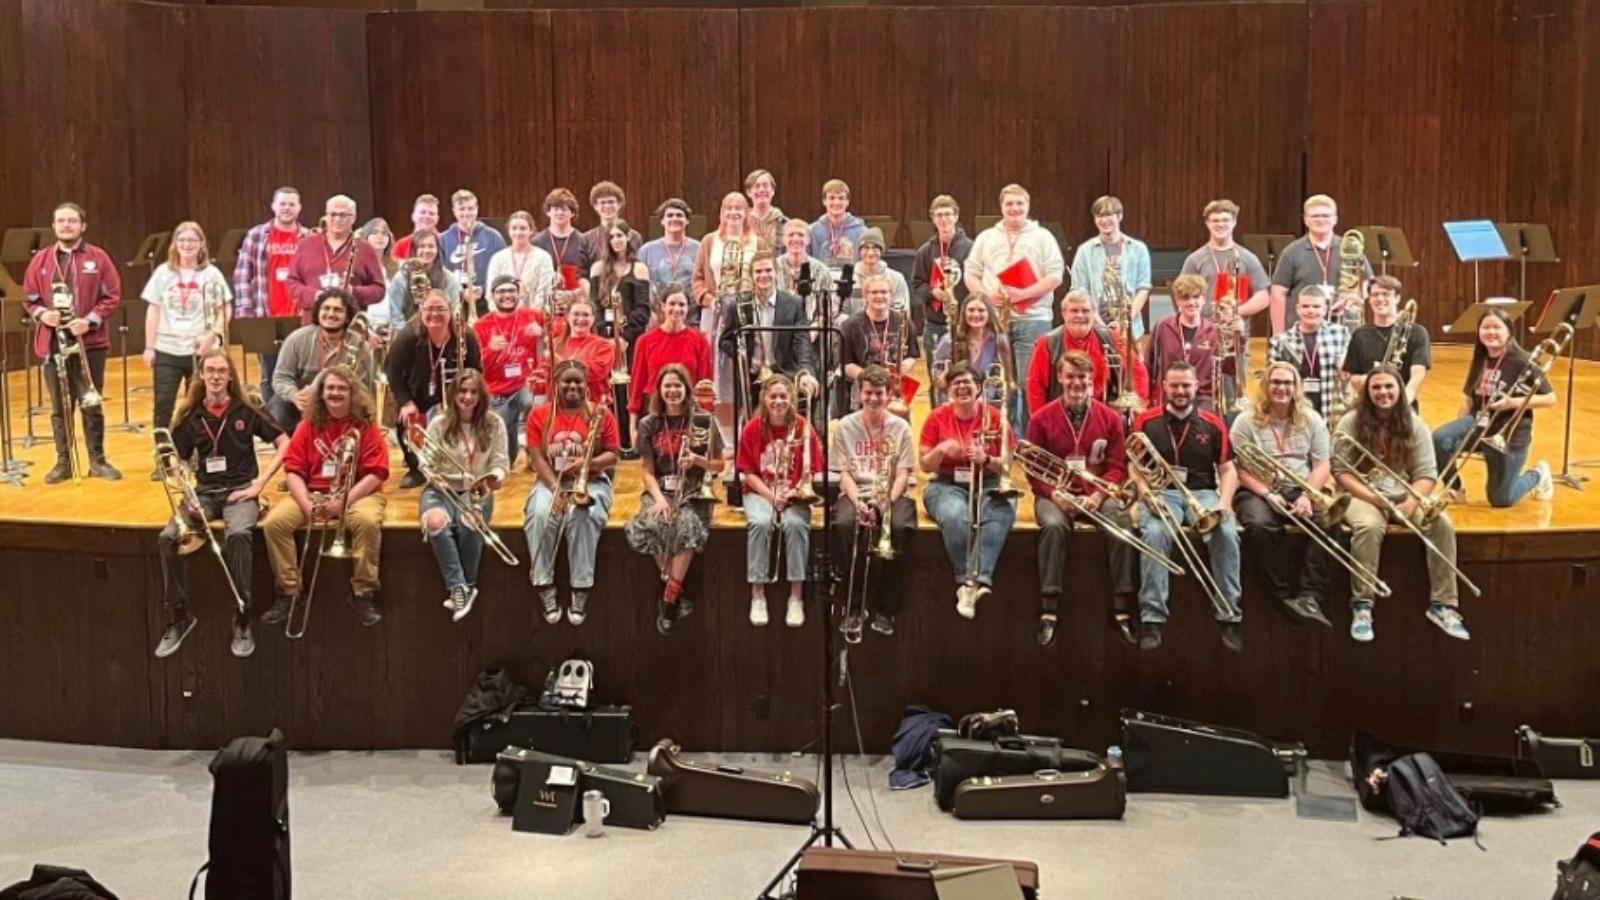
x: 636, y: 798
x: 835, y: 873
x: 957, y: 759
x: 1498, y: 785
x: 730, y: 792
x: 1100, y: 793
x: 1176, y: 756
x: 605, y: 734
x: 1559, y: 757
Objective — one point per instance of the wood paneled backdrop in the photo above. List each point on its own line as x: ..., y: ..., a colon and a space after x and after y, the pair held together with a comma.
x: 1407, y: 111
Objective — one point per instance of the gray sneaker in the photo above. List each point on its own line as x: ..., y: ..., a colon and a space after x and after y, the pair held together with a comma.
x: 1361, y: 621
x: 366, y: 609
x: 462, y: 598
x: 578, y: 611
x: 172, y: 638
x: 551, y: 604
x: 244, y: 642
x: 1449, y: 621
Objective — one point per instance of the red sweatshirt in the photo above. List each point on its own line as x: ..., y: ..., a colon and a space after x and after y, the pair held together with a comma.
x: 1167, y: 345
x: 759, y: 447
x: 96, y: 291
x: 1042, y: 386
x: 659, y: 348
x: 314, y: 259
x: 1099, y: 441
x: 303, y: 457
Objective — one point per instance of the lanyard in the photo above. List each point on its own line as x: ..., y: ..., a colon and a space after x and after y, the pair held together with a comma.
x: 561, y: 254
x: 1076, y: 439
x: 1490, y: 377
x: 329, y: 256
x: 1281, y: 439
x: 1324, y: 258
x: 326, y: 355
x: 222, y: 428
x: 1312, y: 352
x: 673, y: 258
x: 1178, y: 441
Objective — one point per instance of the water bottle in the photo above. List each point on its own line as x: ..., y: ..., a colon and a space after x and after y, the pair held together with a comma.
x: 1114, y: 756
x: 595, y: 809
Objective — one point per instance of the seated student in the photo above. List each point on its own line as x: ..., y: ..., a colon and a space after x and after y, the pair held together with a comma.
x: 778, y: 453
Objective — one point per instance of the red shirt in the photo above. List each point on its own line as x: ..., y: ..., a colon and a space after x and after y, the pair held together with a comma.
x: 1042, y: 386
x: 306, y: 459
x: 659, y: 348
x: 314, y: 258
x: 507, y: 371
x: 1099, y: 441
x: 943, y: 424
x: 569, y: 433
x: 281, y: 246
x: 402, y: 248
x: 96, y: 291
x: 597, y: 355
x: 760, y: 443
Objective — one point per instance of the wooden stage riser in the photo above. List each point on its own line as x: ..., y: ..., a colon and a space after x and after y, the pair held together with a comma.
x: 79, y: 625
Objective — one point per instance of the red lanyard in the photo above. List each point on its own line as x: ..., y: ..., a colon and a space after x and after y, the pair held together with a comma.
x: 1312, y: 353
x: 69, y: 277
x: 673, y: 258
x: 326, y: 355
x: 518, y: 264
x: 1324, y: 258
x: 330, y: 255
x: 1073, y: 428
x: 470, y: 445
x: 1490, y: 377
x: 561, y: 254
x: 222, y: 428
x: 1177, y: 442
x: 1281, y: 438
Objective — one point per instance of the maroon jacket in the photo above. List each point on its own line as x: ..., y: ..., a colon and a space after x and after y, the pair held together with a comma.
x: 1100, y: 442
x: 1166, y: 346
x: 96, y: 292
x: 313, y: 259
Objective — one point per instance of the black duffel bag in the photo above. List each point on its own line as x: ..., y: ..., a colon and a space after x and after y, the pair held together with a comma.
x: 956, y: 759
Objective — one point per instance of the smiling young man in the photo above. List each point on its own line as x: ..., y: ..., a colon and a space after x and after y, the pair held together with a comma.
x: 312, y: 348
x: 1313, y: 259
x: 670, y: 258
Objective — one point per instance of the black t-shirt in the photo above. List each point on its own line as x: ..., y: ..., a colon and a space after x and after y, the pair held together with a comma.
x: 1197, y: 442
x: 1483, y: 380
x: 1369, y: 342
x: 865, y: 342
x: 659, y: 440
x: 572, y: 250
x: 202, y: 436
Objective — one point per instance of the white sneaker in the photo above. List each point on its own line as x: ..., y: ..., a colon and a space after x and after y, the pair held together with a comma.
x: 796, y: 614
x: 967, y: 601
x: 758, y: 611
x: 1547, y: 484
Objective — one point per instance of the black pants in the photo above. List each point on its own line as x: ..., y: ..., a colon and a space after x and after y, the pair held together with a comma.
x: 1054, y: 528
x: 1290, y: 565
x: 902, y: 522
x: 168, y: 373
x: 94, y: 417
x: 284, y: 412
x: 239, y: 520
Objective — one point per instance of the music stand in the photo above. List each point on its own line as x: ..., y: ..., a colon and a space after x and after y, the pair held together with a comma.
x: 1476, y: 240
x: 259, y: 335
x: 18, y: 246
x: 151, y: 250
x: 119, y: 323
x: 1467, y: 322
x: 12, y: 470
x: 1578, y: 307
x: 227, y: 255
x: 1527, y: 242
x: 1266, y: 247
x: 1386, y: 246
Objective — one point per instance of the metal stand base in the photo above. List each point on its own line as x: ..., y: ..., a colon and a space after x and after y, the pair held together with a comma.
x: 818, y: 833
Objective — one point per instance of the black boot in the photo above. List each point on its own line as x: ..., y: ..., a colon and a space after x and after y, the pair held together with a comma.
x: 60, y: 472
x: 94, y: 432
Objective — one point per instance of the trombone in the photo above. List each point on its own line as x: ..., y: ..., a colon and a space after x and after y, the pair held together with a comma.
x: 1429, y: 506
x: 1047, y: 468
x: 433, y: 456
x: 1484, y: 431
x: 575, y: 494
x: 1156, y: 474
x: 188, y: 517
x: 996, y: 379
x: 343, y: 452
x: 804, y: 494
x: 1332, y: 508
x: 702, y: 425
x: 877, y: 538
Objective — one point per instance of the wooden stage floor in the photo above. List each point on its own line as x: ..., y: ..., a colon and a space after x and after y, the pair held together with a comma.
x: 136, y: 502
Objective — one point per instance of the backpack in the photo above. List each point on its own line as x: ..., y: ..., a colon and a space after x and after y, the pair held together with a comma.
x: 1579, y: 877
x: 249, y: 840
x: 1426, y: 803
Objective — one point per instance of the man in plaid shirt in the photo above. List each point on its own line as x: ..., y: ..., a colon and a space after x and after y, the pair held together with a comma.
x: 1315, y: 348
x: 260, y: 277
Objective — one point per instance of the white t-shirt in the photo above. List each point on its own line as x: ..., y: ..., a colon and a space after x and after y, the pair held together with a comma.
x: 180, y: 295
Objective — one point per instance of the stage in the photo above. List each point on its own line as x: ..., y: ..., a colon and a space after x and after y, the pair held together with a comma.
x: 81, y: 602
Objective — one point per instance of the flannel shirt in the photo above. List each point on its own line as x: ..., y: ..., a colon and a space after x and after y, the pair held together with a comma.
x: 1332, y: 341
x: 251, y: 280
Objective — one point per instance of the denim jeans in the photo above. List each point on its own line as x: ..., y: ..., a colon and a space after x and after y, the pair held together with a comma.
x: 269, y: 364
x: 1023, y: 334
x: 932, y: 334
x: 513, y: 410
x: 1505, y: 486
x: 284, y: 412
x: 947, y: 504
x: 584, y: 524
x: 458, y: 549
x: 759, y: 528
x: 1222, y: 544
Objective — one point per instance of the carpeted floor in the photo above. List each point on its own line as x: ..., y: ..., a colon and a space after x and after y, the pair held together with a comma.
x: 412, y: 825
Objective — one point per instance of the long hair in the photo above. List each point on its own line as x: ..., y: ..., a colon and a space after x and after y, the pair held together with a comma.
x: 479, y: 423
x: 1260, y: 410
x: 722, y: 229
x: 561, y: 347
x: 202, y: 259
x: 959, y: 333
x: 773, y: 380
x: 609, y: 258
x: 436, y: 272
x: 1392, y: 432
x: 658, y: 406
x: 380, y: 225
x: 360, y: 400
x: 196, y: 397
x: 1480, y: 353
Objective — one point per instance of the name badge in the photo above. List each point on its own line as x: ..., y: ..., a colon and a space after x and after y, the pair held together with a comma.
x: 670, y: 482
x: 216, y: 465
x: 329, y: 280
x: 1181, y: 474
x: 1076, y: 464
x: 514, y: 370
x: 611, y: 315
x: 90, y: 265
x: 282, y: 274
x: 1311, y: 385
x: 330, y: 468
x: 964, y: 475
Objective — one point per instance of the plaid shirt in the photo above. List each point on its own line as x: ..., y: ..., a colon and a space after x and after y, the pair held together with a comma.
x: 251, y: 280
x: 1332, y: 341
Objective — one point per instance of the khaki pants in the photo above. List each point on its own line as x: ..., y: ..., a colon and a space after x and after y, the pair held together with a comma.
x: 1368, y: 525
x: 364, y: 523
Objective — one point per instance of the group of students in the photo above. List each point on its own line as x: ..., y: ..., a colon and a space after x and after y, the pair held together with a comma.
x: 594, y: 347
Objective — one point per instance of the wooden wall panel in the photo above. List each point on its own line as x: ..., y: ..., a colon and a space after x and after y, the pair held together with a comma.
x: 17, y: 156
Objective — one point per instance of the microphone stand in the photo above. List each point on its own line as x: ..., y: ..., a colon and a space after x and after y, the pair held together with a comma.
x: 821, y: 568
x: 127, y: 424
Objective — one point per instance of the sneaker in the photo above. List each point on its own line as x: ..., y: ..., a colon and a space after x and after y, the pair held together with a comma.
x: 366, y: 609
x: 795, y: 615
x: 101, y: 468
x: 967, y: 601
x: 1306, y: 610
x: 1151, y: 638
x: 449, y: 599
x: 883, y: 624
x: 464, y: 597
x: 413, y: 479
x: 578, y: 611
x: 629, y: 453
x: 981, y: 593
x: 172, y: 638
x: 1547, y: 483
x: 551, y: 604
x: 279, y: 610
x: 1449, y: 621
x: 685, y: 606
x: 1125, y: 628
x: 758, y: 611
x: 1233, y: 636
x: 1047, y: 630
x: 851, y: 627
x: 59, y: 473
x: 244, y: 641
x: 1361, y: 621
x: 665, y: 620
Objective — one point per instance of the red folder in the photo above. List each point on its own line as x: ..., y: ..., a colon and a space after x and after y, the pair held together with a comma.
x: 1018, y: 275
x: 569, y: 278
x: 908, y: 388
x: 936, y: 280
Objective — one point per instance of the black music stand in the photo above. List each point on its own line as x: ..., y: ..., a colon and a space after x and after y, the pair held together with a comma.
x: 260, y: 335
x: 1578, y: 307
x: 119, y: 323
x: 227, y: 253
x: 1467, y: 322
x: 152, y: 250
x: 18, y: 246
x: 1476, y: 240
x: 1527, y: 242
x: 1386, y: 246
x: 12, y: 470
x: 1266, y: 247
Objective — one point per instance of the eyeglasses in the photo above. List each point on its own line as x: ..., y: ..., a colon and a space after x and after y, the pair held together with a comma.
x: 341, y: 215
x: 1280, y: 382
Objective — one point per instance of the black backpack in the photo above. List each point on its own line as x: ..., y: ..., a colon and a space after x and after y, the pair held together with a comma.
x: 249, y: 840
x: 1579, y: 877
x: 1426, y: 803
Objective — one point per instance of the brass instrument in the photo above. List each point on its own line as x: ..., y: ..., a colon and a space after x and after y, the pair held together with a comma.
x: 975, y: 488
x: 1116, y: 306
x: 1230, y: 344
x: 1348, y: 453
x: 214, y: 310
x: 188, y: 516
x: 469, y: 287
x: 1331, y: 506
x: 995, y: 378
x: 950, y: 270
x: 619, y: 362
x: 1352, y: 271
x: 892, y: 360
x: 804, y: 493
x: 343, y: 451
x: 1047, y: 468
x: 1394, y: 351
x: 702, y: 431
x: 1156, y: 475
x: 576, y: 493
x: 880, y: 545
x: 1485, y: 432
x: 69, y: 346
x: 434, y: 458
